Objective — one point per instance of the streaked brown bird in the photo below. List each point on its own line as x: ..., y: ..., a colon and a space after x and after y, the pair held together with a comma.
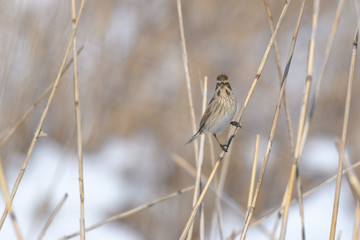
x: 219, y: 112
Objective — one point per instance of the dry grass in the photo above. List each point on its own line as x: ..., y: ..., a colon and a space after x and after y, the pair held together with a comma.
x: 134, y: 84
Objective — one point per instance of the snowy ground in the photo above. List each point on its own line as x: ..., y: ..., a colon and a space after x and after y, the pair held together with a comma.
x: 52, y: 172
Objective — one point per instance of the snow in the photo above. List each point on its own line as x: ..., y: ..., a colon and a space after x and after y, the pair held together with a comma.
x: 52, y: 172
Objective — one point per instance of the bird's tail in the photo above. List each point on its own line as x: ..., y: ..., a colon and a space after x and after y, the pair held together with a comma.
x: 194, y: 137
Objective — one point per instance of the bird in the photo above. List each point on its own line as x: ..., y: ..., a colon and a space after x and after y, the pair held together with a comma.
x: 219, y: 112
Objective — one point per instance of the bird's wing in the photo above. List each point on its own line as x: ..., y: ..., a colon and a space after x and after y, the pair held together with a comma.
x: 207, y: 113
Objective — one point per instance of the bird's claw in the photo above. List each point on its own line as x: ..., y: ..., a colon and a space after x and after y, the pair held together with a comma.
x: 236, y: 124
x: 224, y: 147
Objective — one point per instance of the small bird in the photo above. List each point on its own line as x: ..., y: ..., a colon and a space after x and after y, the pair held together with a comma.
x: 219, y: 112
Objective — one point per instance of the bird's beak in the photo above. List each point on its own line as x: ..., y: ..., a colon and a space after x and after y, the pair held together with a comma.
x: 222, y: 84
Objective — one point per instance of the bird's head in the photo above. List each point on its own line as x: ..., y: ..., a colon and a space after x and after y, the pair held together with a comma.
x: 222, y: 85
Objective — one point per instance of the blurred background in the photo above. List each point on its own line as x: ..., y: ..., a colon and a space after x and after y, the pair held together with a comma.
x: 136, y: 115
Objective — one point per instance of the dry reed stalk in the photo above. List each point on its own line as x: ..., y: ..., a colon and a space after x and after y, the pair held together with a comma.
x: 130, y: 212
x: 187, y: 74
x: 329, y: 44
x: 289, y: 122
x: 188, y: 85
x: 5, y: 191
x: 277, y: 57
x: 225, y: 198
x: 202, y: 224
x: 351, y: 177
x: 219, y: 187
x: 279, y: 215
x: 356, y: 222
x: 357, y: 8
x: 198, y: 203
x: 43, y: 116
x: 217, y: 211
x: 263, y: 61
x: 230, y: 202
x: 355, y: 189
x: 29, y: 111
x: 52, y: 216
x: 78, y: 127
x: 343, y: 137
x: 307, y: 193
x: 301, y: 205
x: 233, y: 132
x: 199, y: 161
x: 273, y: 127
x: 253, y: 171
x: 199, y: 166
x: 299, y: 140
